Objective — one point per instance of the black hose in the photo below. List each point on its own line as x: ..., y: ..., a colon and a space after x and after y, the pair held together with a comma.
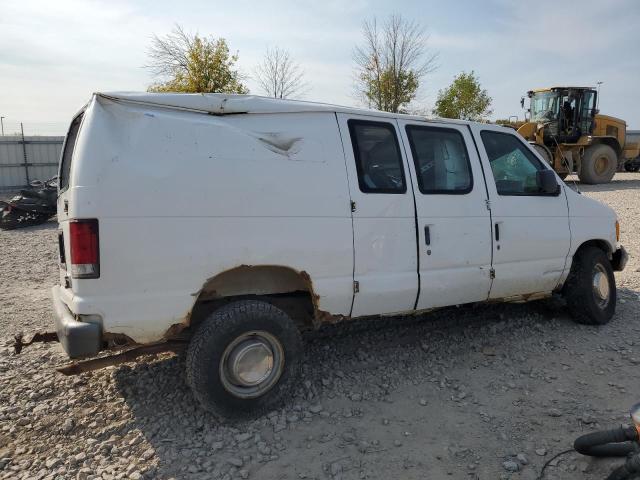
x: 631, y: 467
x: 613, y: 450
x: 597, y: 444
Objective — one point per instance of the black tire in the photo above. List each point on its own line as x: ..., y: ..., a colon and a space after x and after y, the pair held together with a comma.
x: 544, y: 152
x: 209, y: 347
x: 632, y: 167
x: 547, y: 156
x: 585, y: 305
x: 599, y: 164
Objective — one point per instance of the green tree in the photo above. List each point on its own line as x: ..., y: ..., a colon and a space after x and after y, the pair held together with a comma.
x: 189, y: 63
x: 391, y: 63
x: 464, y: 99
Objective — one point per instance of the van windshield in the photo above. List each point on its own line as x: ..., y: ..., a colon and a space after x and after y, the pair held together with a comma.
x: 67, y: 153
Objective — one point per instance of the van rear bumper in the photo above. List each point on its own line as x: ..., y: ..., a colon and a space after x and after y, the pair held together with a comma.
x: 619, y: 259
x: 79, y: 339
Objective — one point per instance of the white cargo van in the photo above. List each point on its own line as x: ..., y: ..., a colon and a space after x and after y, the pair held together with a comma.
x: 230, y: 222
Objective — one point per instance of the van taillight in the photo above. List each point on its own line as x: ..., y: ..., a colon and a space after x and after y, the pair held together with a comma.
x: 85, y: 254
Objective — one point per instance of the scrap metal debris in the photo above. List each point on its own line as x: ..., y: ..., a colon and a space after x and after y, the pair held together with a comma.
x: 43, y: 337
x: 122, y: 357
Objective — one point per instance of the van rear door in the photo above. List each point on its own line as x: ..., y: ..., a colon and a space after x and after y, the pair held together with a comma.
x: 384, y: 229
x: 64, y: 179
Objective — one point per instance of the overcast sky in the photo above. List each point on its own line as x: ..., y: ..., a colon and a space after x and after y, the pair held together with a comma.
x: 53, y: 54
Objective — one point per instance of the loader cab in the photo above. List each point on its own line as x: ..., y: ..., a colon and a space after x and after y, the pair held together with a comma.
x: 567, y: 113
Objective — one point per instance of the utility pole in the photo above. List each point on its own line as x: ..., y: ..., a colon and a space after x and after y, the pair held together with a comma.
x: 2, y: 124
x: 24, y: 153
x: 598, y: 98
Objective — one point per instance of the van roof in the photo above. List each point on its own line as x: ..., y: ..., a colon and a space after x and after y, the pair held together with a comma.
x: 224, y: 103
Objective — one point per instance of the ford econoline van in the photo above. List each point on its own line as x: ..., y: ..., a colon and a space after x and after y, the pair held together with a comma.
x: 229, y: 222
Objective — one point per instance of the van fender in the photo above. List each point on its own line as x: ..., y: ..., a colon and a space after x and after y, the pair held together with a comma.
x: 286, y: 287
x: 603, y: 245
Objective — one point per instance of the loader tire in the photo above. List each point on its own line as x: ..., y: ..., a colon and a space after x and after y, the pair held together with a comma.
x: 599, y: 164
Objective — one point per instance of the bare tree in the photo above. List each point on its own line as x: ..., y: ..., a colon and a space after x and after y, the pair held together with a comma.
x: 184, y: 62
x: 392, y: 62
x: 279, y: 75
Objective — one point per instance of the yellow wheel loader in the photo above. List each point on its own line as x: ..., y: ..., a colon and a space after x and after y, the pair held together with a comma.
x: 565, y: 127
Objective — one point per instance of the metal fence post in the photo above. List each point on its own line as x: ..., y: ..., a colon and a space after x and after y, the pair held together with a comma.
x: 24, y: 153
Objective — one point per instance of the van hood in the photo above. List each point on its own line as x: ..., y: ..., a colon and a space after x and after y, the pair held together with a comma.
x: 582, y: 206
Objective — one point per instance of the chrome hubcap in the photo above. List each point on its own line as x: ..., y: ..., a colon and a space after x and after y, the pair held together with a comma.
x: 600, y: 286
x: 251, y: 364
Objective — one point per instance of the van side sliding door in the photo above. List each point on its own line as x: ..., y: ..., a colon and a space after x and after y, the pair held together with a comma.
x: 454, y: 224
x: 384, y: 235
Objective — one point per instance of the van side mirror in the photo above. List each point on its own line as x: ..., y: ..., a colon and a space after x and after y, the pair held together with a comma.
x: 546, y: 182
x: 522, y: 102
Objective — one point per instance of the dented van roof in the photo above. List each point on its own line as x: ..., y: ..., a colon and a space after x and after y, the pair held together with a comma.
x: 227, y: 104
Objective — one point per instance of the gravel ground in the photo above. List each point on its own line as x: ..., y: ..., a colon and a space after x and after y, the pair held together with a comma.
x: 470, y: 393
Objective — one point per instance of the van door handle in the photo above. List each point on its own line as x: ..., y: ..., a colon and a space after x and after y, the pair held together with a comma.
x: 427, y: 235
x: 497, y: 232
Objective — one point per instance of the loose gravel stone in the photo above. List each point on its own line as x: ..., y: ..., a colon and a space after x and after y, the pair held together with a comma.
x: 243, y: 437
x: 67, y: 426
x: 511, y: 466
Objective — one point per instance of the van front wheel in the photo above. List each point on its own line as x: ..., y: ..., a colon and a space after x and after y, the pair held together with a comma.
x: 590, y: 290
x: 243, y: 359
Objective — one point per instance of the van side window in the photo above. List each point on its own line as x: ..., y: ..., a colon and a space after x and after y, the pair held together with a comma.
x: 513, y: 165
x: 69, y: 145
x: 377, y: 155
x: 441, y: 160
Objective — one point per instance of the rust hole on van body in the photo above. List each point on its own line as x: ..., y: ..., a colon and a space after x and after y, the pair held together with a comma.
x: 523, y: 298
x: 266, y: 280
x: 254, y: 280
x: 176, y: 329
x: 319, y: 316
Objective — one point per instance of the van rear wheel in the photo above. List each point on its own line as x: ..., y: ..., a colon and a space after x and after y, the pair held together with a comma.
x: 243, y: 359
x: 590, y: 290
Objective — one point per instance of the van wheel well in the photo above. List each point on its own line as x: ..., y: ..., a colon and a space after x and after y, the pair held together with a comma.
x: 298, y: 305
x: 283, y: 287
x: 601, y: 244
x: 613, y: 143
